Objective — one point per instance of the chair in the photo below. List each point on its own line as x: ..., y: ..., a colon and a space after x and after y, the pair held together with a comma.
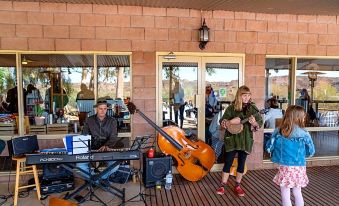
x: 22, y: 169
x: 86, y: 105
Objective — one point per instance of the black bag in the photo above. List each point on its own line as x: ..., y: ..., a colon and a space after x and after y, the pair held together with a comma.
x: 2, y: 145
x: 122, y: 175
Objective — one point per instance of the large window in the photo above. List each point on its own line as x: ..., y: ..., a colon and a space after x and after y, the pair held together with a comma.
x: 314, y: 85
x: 59, y: 90
x: 317, y: 90
x: 8, y: 95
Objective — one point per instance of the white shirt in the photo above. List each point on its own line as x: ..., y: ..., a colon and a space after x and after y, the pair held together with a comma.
x: 179, y: 96
x: 271, y: 115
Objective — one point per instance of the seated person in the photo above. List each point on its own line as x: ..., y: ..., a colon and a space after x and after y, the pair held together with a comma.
x: 104, y: 135
x: 270, y: 118
x: 85, y: 93
x: 273, y: 113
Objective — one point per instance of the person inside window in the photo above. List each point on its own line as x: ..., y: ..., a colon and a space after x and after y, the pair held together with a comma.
x: 3, y: 105
x: 270, y: 118
x: 273, y: 113
x: 60, y: 100
x: 189, y: 109
x: 210, y: 114
x: 306, y: 102
x: 12, y: 99
x: 34, y: 92
x: 85, y: 93
x: 179, y: 103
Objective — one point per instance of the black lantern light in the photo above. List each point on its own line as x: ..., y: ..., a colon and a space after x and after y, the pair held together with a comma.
x: 203, y: 35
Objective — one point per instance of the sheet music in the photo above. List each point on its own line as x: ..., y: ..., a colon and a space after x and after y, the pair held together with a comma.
x: 77, y: 144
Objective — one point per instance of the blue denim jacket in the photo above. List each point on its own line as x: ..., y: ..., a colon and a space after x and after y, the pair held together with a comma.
x: 291, y: 151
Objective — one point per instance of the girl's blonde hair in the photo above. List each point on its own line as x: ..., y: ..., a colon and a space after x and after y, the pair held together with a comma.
x: 238, y: 100
x: 294, y: 115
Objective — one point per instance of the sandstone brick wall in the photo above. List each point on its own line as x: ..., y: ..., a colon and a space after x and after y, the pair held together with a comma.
x: 85, y: 27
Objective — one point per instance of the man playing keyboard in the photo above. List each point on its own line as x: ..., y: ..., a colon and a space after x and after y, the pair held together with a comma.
x: 104, y: 135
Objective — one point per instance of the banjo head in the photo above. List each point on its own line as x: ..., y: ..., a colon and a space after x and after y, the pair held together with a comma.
x: 235, y: 128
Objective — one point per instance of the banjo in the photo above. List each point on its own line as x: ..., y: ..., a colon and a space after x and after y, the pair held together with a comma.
x: 237, y: 128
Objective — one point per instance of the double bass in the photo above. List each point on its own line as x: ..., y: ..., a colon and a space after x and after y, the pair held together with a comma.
x: 195, y: 159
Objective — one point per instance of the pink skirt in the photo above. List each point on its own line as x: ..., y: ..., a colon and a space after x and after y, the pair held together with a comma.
x: 291, y: 176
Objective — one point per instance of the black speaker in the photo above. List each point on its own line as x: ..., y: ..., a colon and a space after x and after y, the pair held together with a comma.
x: 155, y: 169
x: 23, y: 145
x: 55, y: 171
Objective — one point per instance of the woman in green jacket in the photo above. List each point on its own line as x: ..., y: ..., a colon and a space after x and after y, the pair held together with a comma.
x: 240, y: 143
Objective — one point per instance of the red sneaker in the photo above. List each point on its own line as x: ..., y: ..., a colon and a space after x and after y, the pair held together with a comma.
x: 240, y: 192
x: 221, y: 190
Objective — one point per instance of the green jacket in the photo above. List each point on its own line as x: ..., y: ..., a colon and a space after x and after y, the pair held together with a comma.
x: 244, y: 140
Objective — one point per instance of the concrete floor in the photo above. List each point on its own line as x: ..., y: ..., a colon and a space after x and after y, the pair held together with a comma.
x: 132, y: 189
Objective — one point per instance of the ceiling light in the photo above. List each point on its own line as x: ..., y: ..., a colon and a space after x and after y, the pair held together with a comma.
x: 24, y: 61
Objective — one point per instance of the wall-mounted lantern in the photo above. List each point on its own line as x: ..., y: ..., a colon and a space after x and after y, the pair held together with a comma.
x: 203, y: 35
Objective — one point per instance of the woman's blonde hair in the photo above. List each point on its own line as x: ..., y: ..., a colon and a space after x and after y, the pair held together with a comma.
x: 294, y: 115
x: 238, y: 100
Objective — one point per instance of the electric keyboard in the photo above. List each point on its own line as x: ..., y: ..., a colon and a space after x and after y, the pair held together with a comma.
x: 35, y: 159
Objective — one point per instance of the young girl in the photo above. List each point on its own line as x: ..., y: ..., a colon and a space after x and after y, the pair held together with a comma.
x: 240, y: 143
x: 289, y: 146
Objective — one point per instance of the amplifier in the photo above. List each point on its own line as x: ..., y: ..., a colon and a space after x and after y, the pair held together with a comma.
x: 155, y: 169
x: 23, y: 145
x: 56, y: 186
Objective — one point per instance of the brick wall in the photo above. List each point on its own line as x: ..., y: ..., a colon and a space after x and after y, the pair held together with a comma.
x: 144, y: 31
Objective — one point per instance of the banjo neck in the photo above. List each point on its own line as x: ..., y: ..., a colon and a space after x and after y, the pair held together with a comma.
x: 263, y: 111
x: 244, y: 120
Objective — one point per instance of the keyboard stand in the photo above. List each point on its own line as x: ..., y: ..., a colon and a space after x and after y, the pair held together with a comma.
x: 94, y: 180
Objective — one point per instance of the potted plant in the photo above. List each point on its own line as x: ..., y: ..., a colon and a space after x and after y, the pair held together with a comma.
x: 39, y: 119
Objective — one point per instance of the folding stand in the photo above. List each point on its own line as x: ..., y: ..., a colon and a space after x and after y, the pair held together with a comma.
x: 94, y: 180
x: 141, y: 143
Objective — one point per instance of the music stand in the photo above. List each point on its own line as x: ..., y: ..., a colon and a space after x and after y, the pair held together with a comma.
x: 141, y: 143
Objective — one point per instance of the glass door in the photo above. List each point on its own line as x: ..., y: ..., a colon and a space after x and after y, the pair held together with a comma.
x: 179, y: 93
x: 194, y: 91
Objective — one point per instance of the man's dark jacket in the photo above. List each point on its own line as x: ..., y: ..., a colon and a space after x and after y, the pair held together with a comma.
x: 103, y: 132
